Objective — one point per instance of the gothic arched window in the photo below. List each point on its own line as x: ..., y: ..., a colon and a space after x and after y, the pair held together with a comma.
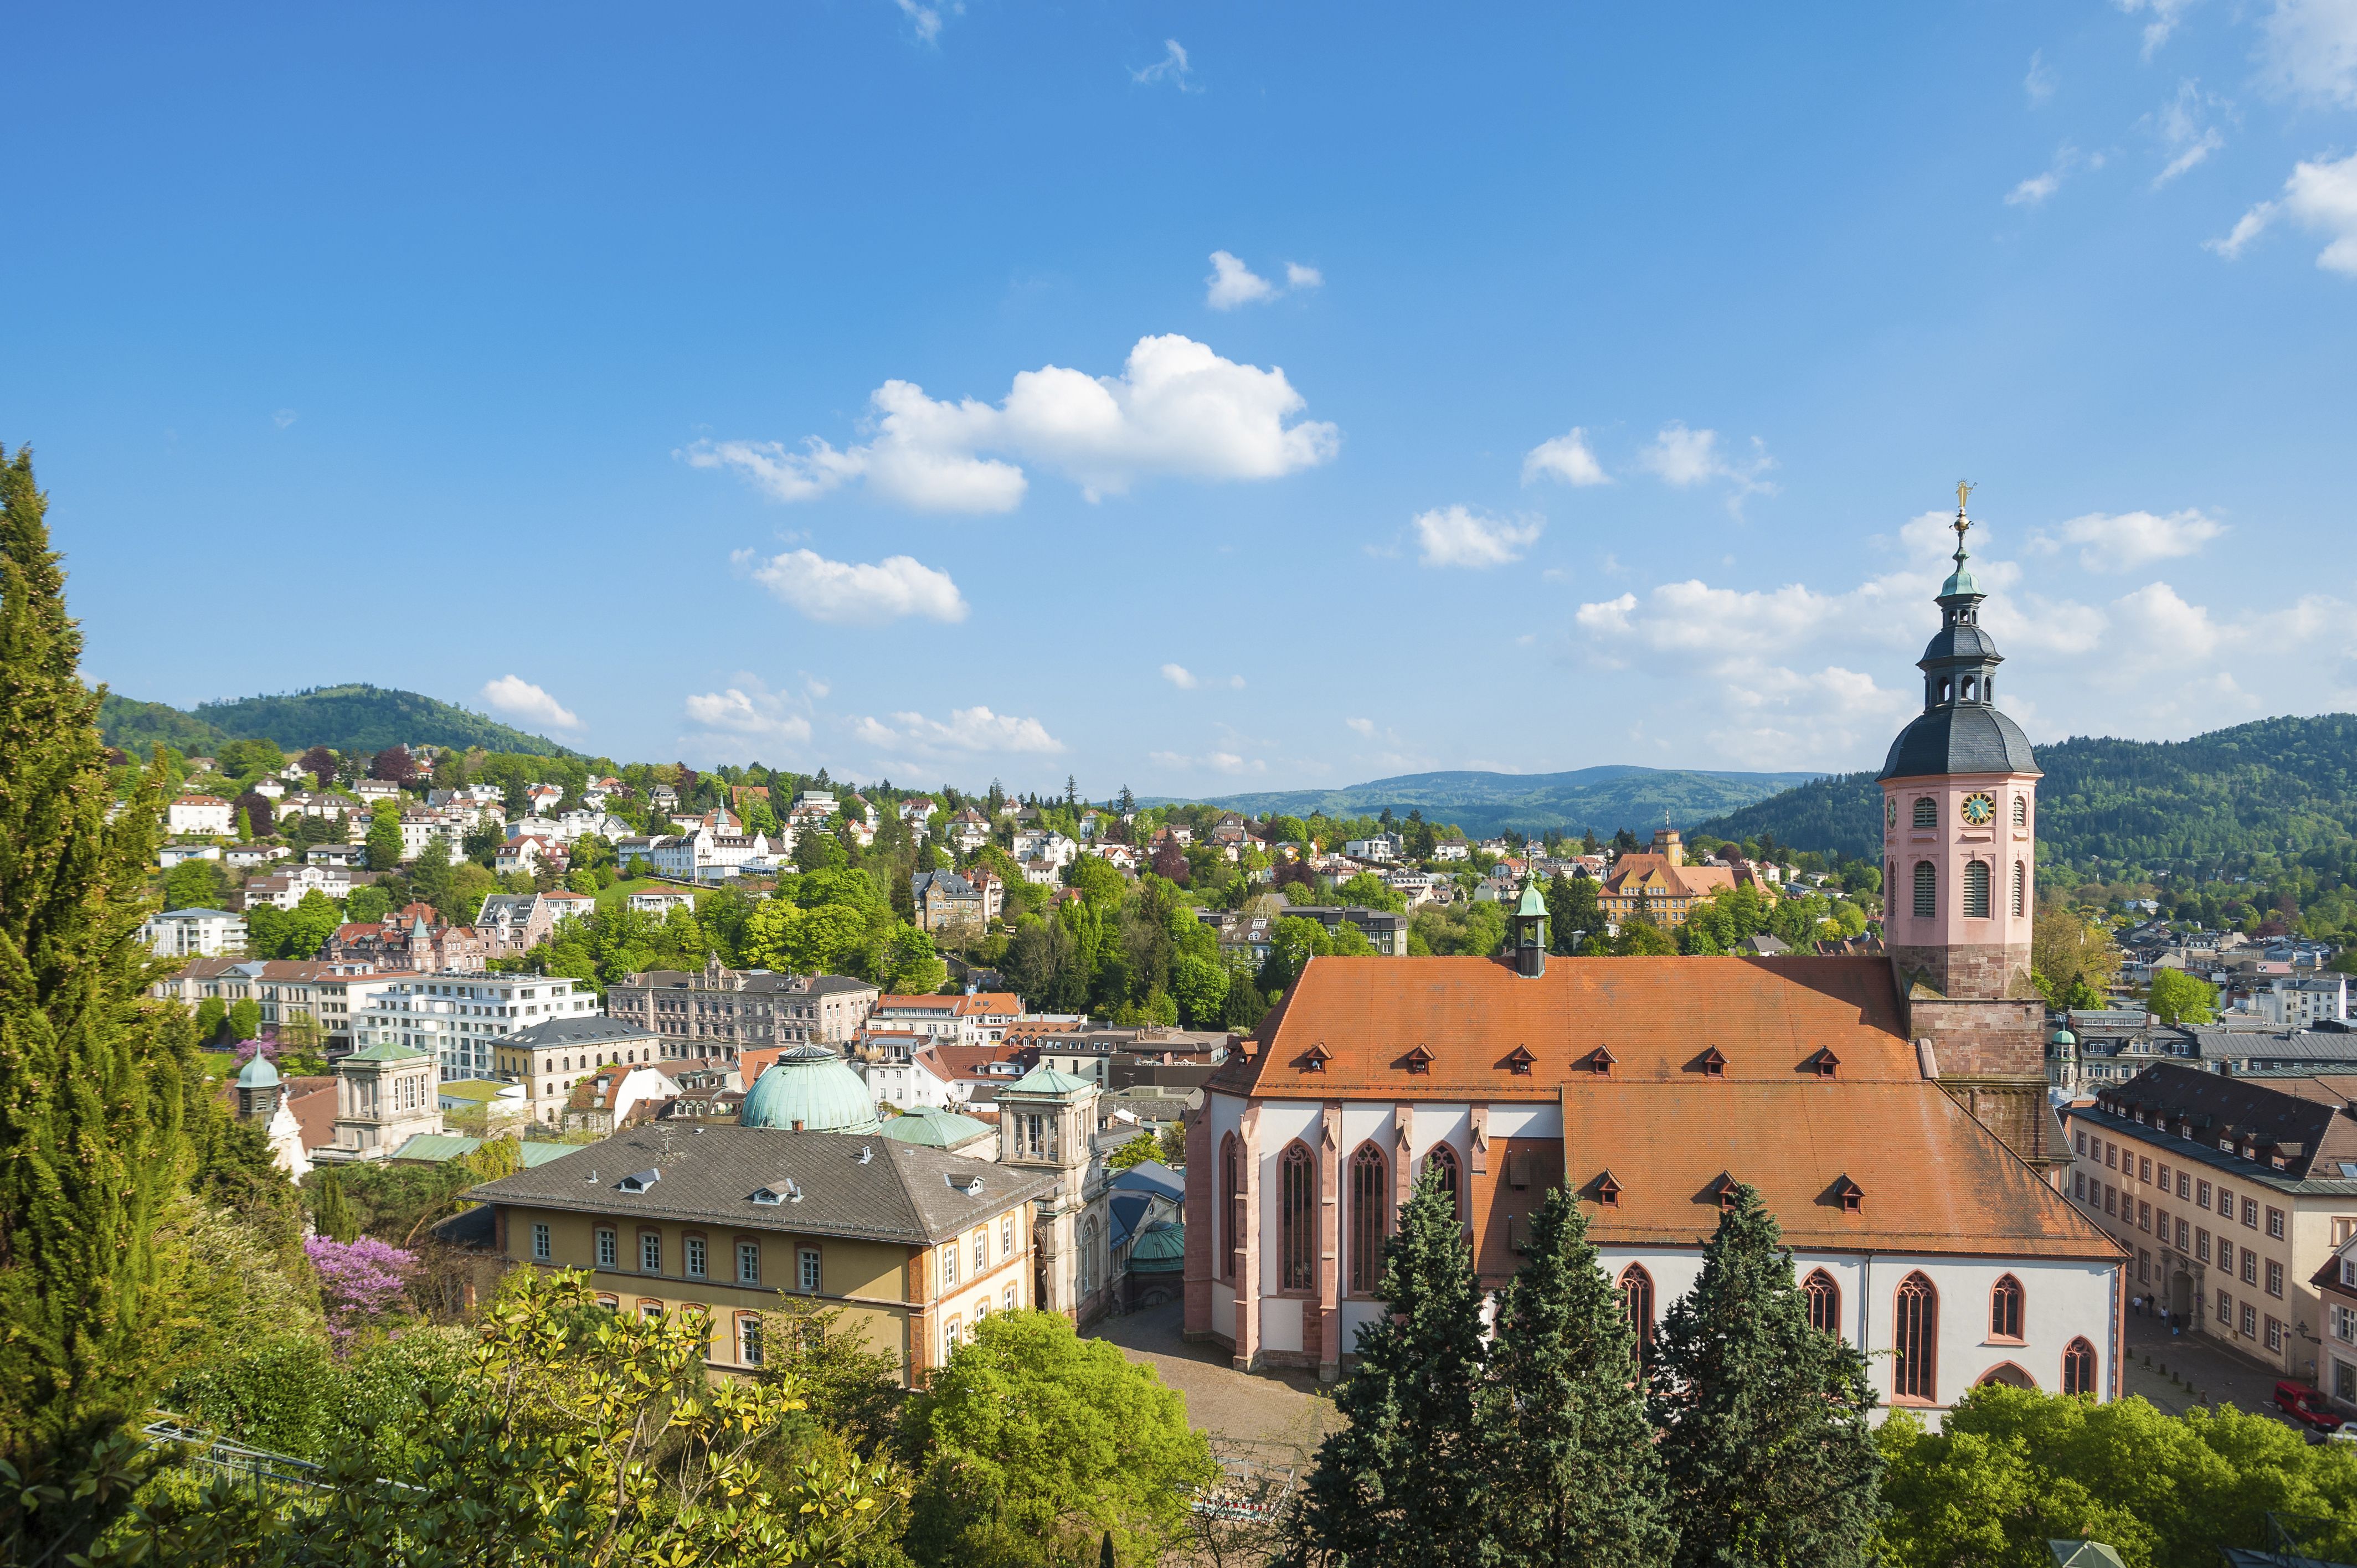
x: 1296, y: 1217
x: 2021, y: 888
x: 1927, y: 890
x: 1927, y: 811
x: 1232, y: 1202
x: 2078, y: 1367
x: 1824, y: 1302
x: 1370, y: 1209
x: 1637, y: 1300
x: 1440, y: 1161
x: 1976, y: 890
x: 1916, y: 1336
x: 2004, y: 1309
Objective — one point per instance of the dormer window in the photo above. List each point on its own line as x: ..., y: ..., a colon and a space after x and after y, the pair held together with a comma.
x: 1419, y: 1060
x: 1726, y: 1190
x: 1851, y: 1196
x: 639, y: 1181
x: 1315, y: 1059
x: 1713, y: 1063
x: 1608, y: 1191
x: 1824, y: 1064
x: 1521, y: 1061
x: 1600, y: 1062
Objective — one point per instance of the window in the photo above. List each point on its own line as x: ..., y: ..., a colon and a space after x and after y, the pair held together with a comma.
x: 2250, y: 1212
x: 2144, y: 1170
x: 605, y: 1249
x: 2250, y: 1319
x: 2111, y: 1199
x: 1370, y: 1216
x: 2180, y: 1232
x: 2082, y: 1140
x: 1441, y: 1163
x: 2274, y: 1336
x: 1296, y: 1218
x: 2201, y: 1195
x: 1927, y: 890
x: 949, y: 1266
x: 2111, y: 1157
x: 1976, y: 890
x: 981, y: 1250
x: 2226, y: 1310
x: 2184, y: 1184
x: 2004, y: 1309
x: 692, y: 1251
x: 1007, y: 1300
x: 2144, y: 1216
x: 2078, y: 1367
x: 2250, y: 1267
x: 2274, y: 1278
x: 2021, y: 888
x: 1824, y: 1302
x: 2021, y: 811
x: 951, y: 1333
x: 2144, y: 1264
x: 2225, y: 1257
x: 1232, y: 1202
x: 1927, y: 813
x: 806, y: 1270
x: 541, y: 1251
x: 1637, y: 1300
x: 650, y: 1252
x: 1006, y: 1238
x: 1916, y: 1335
x: 2275, y: 1223
x: 2079, y: 1185
x: 748, y: 1263
x: 650, y: 1311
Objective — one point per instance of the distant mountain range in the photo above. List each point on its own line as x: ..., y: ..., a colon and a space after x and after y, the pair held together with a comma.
x: 2285, y: 787
x: 1604, y: 799
x: 345, y: 718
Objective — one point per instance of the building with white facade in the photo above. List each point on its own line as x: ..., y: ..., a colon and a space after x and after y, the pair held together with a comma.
x: 461, y: 1019
x: 194, y: 933
x: 2303, y: 1003
x: 199, y: 814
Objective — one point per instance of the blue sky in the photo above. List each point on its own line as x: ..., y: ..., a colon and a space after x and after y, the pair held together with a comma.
x: 1195, y: 397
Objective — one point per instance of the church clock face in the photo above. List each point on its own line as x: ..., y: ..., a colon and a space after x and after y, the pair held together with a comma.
x: 1979, y: 809
x: 1889, y: 811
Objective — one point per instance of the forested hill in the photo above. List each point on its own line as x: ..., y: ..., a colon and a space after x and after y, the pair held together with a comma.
x: 2283, y: 786
x: 345, y: 718
x: 1604, y: 799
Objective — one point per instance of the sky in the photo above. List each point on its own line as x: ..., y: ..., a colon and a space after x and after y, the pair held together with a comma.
x: 1195, y: 397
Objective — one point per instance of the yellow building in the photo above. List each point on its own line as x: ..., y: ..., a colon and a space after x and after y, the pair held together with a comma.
x: 1663, y: 888
x: 916, y: 1245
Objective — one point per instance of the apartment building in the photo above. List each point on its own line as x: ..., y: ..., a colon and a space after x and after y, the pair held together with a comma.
x: 719, y: 1012
x: 461, y: 1018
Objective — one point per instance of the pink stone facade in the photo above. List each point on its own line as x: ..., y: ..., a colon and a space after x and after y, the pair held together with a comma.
x: 1957, y: 950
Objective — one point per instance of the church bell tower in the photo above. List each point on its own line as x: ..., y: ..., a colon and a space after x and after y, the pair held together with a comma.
x: 1959, y: 876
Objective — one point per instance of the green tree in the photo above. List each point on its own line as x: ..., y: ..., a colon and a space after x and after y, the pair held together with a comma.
x: 2179, y: 998
x: 2011, y: 1469
x: 1200, y: 985
x: 1765, y: 1440
x: 213, y: 1012
x: 1572, y: 912
x: 1574, y: 1479
x: 430, y: 877
x: 332, y: 1211
x: 1401, y: 1482
x: 1036, y: 1442
x: 245, y: 1017
x: 1368, y: 891
x: 1641, y: 938
x: 911, y: 967
x: 196, y: 884
x: 384, y: 836
x: 94, y: 1088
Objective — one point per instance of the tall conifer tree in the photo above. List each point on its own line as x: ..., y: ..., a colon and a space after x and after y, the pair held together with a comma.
x: 1763, y: 1418
x: 1574, y: 1481
x: 1399, y: 1483
x: 93, y: 1091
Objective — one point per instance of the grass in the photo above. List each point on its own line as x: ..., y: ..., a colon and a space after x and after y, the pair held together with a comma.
x: 612, y: 897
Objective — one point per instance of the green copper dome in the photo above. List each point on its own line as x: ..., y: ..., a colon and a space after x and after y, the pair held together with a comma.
x: 259, y: 1073
x: 812, y: 1086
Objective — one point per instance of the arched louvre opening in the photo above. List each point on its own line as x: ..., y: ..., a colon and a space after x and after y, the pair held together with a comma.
x: 1927, y: 890
x: 1976, y: 890
x: 1915, y: 1335
x: 1297, y: 1227
x: 2021, y: 888
x: 1371, y: 1207
x: 1824, y: 1302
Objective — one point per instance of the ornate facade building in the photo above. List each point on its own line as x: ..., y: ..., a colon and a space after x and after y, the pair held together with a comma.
x: 1889, y: 1110
x: 718, y: 1012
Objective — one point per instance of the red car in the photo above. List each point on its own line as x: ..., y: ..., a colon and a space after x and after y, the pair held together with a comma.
x: 2305, y: 1405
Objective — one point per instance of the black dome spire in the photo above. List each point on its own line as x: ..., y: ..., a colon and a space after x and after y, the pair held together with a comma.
x: 1961, y: 730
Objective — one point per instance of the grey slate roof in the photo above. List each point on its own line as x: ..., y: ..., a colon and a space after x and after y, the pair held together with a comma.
x: 594, y: 1030
x: 2331, y: 1045
x: 1959, y: 738
x: 901, y: 1193
x: 2271, y: 1112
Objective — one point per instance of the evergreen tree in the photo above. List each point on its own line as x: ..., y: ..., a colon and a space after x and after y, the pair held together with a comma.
x: 1763, y: 1418
x: 94, y: 1090
x: 1399, y: 1483
x: 1573, y: 1478
x: 1573, y: 915
x: 331, y: 1212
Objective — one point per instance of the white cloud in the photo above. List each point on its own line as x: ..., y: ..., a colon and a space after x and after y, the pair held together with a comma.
x: 2309, y: 49
x: 1567, y: 457
x: 848, y: 593
x: 1455, y: 536
x: 2184, y: 129
x: 1175, y: 409
x: 926, y: 19
x: 1232, y: 283
x: 2067, y: 160
x: 285, y: 417
x: 519, y: 699
x: 748, y: 708
x: 2039, y: 84
x: 2122, y: 541
x: 967, y: 731
x: 1180, y: 676
x: 2318, y: 197
x: 1682, y: 459
x: 2165, y: 13
x: 1171, y: 68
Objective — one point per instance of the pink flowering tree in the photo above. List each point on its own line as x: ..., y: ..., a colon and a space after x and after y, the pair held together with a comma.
x: 359, y: 1282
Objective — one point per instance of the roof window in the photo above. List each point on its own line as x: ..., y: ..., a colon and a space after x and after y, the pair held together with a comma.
x: 1851, y: 1196
x: 1315, y: 1059
x: 1601, y: 1060
x: 1419, y: 1060
x: 1713, y: 1063
x: 1608, y: 1191
x: 782, y: 1190
x: 639, y: 1181
x: 1521, y: 1059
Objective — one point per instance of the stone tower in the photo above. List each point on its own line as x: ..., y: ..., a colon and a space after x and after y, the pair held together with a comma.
x: 1959, y: 815
x: 1046, y: 1120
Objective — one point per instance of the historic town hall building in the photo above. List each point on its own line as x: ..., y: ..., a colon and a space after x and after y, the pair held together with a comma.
x: 1890, y: 1111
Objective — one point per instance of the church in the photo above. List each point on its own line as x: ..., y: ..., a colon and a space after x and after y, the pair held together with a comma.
x: 1891, y: 1112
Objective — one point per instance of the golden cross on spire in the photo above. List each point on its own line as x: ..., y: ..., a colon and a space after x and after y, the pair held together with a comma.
x: 1964, y: 489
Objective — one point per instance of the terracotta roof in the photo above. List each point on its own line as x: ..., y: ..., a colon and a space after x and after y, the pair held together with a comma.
x: 990, y: 1001
x: 313, y: 1103
x: 1769, y: 1016
x: 963, y: 1061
